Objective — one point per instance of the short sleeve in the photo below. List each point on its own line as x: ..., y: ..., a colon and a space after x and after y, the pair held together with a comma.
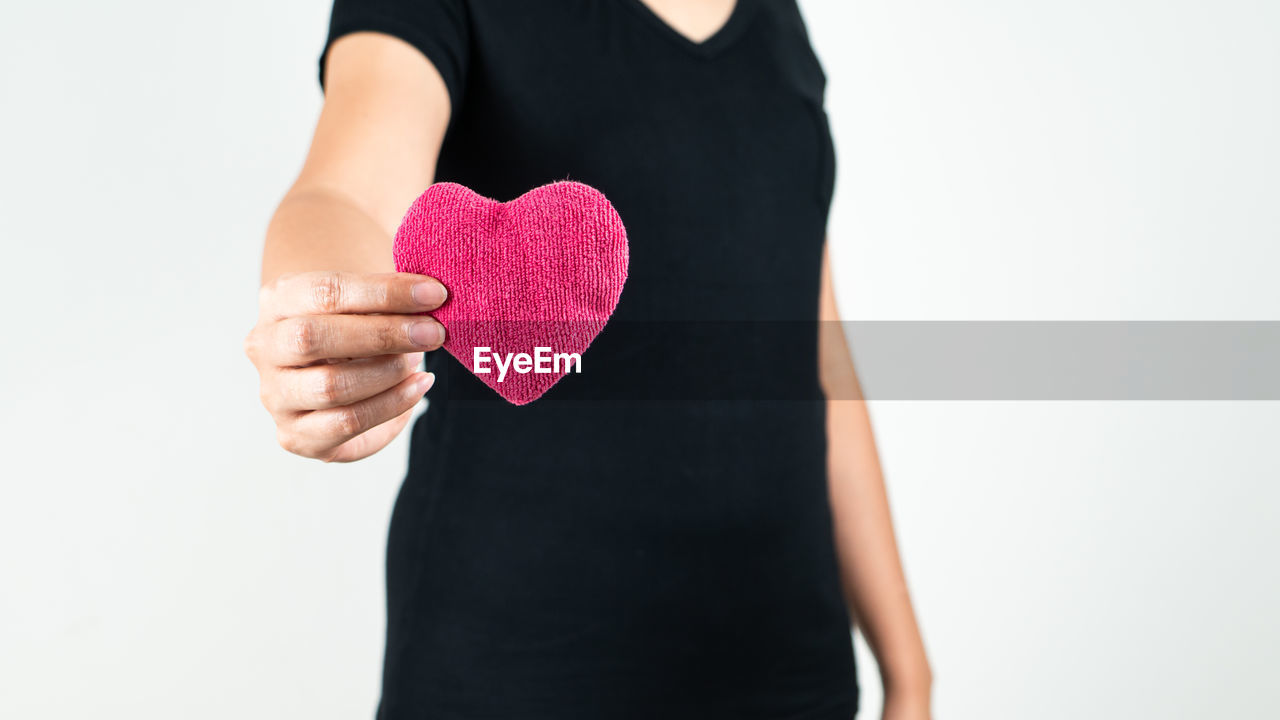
x: 437, y: 28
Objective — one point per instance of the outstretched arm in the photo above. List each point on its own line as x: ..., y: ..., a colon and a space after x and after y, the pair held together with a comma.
x: 871, y: 570
x: 339, y: 338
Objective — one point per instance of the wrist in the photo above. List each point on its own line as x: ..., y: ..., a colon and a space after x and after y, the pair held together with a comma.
x: 914, y: 680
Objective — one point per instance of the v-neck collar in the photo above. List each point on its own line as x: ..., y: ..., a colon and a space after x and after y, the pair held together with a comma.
x: 716, y: 42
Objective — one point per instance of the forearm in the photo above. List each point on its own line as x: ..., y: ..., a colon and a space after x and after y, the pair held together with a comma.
x: 871, y: 569
x: 875, y: 586
x: 356, y: 184
x: 318, y: 229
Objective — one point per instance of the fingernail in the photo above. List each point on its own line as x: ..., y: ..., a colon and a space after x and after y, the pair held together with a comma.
x: 424, y: 384
x: 429, y: 294
x: 426, y: 334
x: 415, y: 359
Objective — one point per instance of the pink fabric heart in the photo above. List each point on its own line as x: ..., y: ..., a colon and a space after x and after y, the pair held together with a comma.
x: 542, y: 271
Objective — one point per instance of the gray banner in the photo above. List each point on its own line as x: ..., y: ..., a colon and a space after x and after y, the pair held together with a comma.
x: 1014, y: 360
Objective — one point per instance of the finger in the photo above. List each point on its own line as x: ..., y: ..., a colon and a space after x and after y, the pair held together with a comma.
x: 319, y: 387
x: 337, y: 293
x: 305, y: 339
x: 370, y: 441
x: 316, y: 434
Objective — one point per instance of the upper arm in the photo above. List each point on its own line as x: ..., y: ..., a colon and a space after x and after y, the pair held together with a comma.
x: 839, y: 380
x: 827, y: 310
x: 385, y: 113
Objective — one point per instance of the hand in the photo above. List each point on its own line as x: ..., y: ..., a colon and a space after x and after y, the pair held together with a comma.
x: 338, y: 357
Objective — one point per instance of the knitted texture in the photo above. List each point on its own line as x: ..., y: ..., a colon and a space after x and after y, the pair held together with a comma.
x: 542, y: 271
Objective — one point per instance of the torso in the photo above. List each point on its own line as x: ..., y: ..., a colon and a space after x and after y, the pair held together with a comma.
x: 651, y: 538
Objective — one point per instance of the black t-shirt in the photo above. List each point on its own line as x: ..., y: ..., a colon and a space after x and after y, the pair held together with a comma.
x: 652, y: 538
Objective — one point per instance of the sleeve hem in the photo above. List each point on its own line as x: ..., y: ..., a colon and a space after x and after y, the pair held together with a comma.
x: 434, y: 51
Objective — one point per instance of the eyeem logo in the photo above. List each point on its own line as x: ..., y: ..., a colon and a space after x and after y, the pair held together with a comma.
x: 542, y: 362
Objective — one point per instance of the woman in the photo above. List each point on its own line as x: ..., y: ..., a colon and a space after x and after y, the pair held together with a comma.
x: 668, y: 534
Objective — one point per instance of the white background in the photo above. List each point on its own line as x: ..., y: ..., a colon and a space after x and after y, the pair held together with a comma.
x: 161, y: 558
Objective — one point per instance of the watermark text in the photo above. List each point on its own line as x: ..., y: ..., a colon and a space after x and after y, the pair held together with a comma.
x: 542, y: 362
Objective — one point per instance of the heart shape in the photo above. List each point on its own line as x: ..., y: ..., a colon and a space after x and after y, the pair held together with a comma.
x: 542, y: 271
